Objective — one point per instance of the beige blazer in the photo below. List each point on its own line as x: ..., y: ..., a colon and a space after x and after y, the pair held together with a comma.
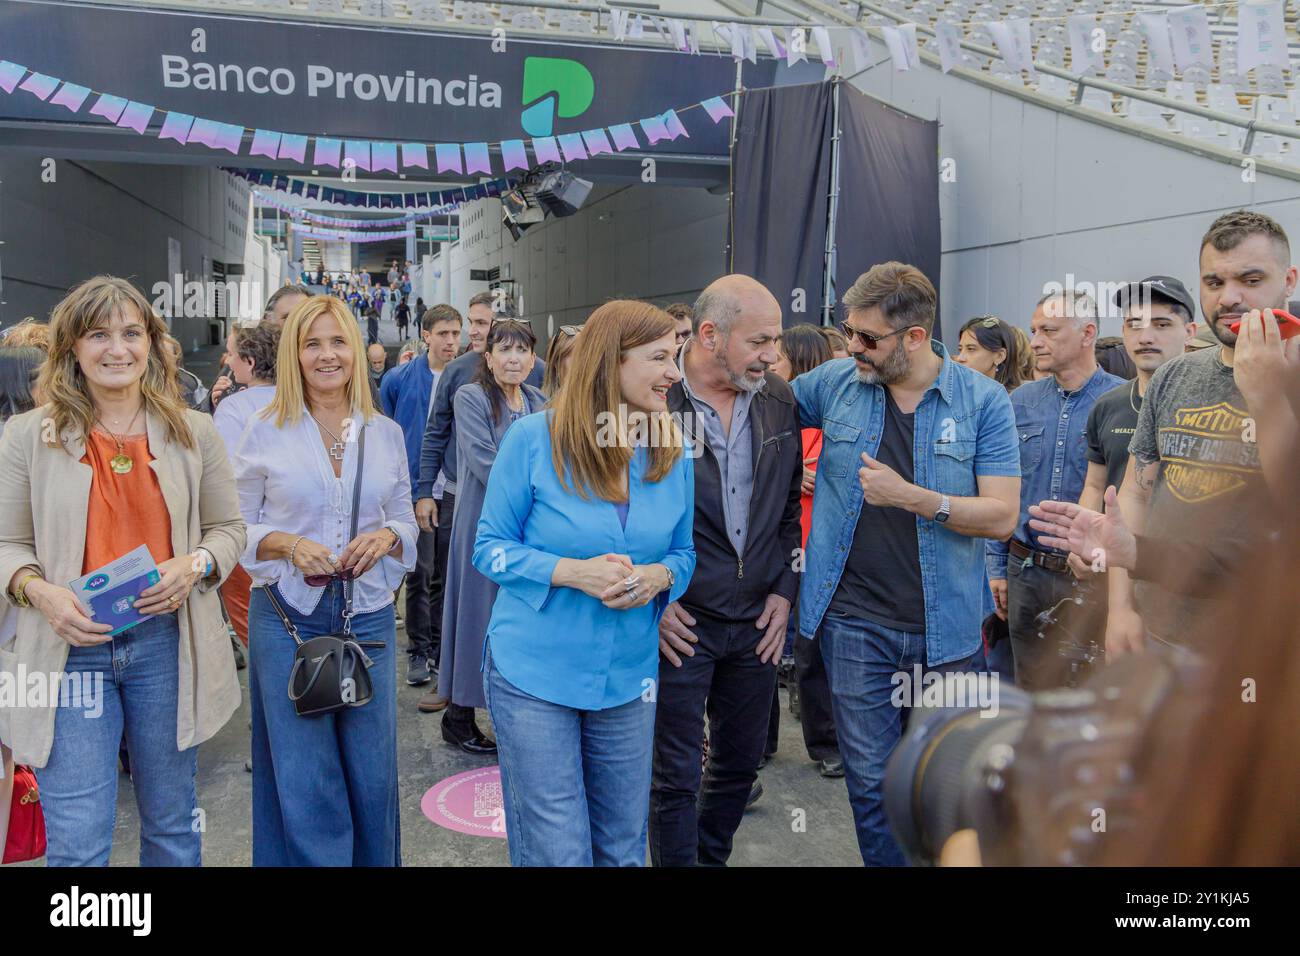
x: 44, y: 492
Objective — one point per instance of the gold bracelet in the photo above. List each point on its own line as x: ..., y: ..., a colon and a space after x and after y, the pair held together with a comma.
x: 20, y: 593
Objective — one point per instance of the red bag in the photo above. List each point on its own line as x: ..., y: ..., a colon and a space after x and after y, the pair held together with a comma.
x: 26, y: 839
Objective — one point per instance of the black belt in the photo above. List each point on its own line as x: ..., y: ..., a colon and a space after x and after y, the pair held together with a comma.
x: 1044, y: 559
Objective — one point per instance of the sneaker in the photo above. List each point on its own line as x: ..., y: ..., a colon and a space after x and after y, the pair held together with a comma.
x: 832, y: 767
x: 417, y: 671
x: 755, y: 792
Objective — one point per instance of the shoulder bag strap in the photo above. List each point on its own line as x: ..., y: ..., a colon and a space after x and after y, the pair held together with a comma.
x: 356, y: 511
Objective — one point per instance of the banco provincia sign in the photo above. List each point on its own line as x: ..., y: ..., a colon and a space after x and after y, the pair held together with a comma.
x: 400, y: 84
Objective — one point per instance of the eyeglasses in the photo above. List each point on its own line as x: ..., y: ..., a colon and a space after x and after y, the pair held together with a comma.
x: 869, y: 341
x: 321, y: 580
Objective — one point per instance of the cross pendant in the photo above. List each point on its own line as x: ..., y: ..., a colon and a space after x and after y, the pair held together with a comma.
x: 336, y: 451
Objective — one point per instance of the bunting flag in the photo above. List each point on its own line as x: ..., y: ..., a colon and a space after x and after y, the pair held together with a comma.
x: 177, y: 126
x: 293, y: 147
x: 596, y: 142
x: 1158, y: 46
x: 513, y: 154
x: 797, y: 51
x: 136, y: 116
x: 71, y: 96
x: 428, y: 204
x: 265, y: 143
x: 446, y: 156
x: 376, y: 156
x: 948, y: 36
x: 571, y: 146
x: 717, y: 109
x: 1013, y: 42
x: 383, y: 157
x: 823, y: 38
x: 415, y: 155
x: 1083, y: 58
x: 477, y: 159
x: 1261, y: 35
x: 624, y: 137
x: 39, y: 85
x: 773, y: 44
x: 901, y: 41
x: 545, y: 150
x: 354, y: 236
x: 1189, y: 33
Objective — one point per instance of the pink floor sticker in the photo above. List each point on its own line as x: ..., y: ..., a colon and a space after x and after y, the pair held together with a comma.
x: 469, y: 802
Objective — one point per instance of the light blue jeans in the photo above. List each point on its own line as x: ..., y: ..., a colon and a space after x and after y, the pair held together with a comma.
x: 324, y: 787
x: 576, y: 783
x: 138, y: 669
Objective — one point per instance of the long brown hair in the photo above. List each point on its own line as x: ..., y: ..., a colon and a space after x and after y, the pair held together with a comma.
x: 290, y: 393
x: 88, y: 306
x: 591, y: 392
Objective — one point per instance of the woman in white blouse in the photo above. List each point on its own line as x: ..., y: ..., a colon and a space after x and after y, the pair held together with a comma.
x: 324, y: 787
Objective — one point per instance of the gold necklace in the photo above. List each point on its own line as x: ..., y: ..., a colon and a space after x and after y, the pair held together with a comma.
x: 122, y: 463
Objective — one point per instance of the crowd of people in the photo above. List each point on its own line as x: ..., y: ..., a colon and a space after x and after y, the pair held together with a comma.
x: 621, y: 550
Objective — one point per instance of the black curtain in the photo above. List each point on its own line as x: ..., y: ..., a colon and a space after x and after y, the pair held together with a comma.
x: 889, y: 191
x: 781, y: 180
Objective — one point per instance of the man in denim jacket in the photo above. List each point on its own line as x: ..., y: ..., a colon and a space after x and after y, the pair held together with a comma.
x: 918, y: 464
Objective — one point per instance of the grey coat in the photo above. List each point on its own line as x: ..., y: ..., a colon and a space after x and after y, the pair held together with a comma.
x: 467, y: 595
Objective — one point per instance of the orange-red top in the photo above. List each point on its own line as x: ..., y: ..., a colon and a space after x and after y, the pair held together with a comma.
x: 125, y: 511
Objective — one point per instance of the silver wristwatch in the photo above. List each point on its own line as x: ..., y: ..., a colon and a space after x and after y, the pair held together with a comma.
x: 944, y: 505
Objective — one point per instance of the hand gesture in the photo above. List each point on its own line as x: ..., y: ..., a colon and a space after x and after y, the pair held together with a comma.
x: 220, y: 387
x: 426, y: 513
x: 998, y: 587
x: 808, y: 484
x: 636, y: 589
x: 1262, y: 361
x: 364, y: 551
x: 61, y: 608
x: 675, y: 636
x: 882, y: 486
x: 310, y: 558
x: 1101, y: 540
x: 595, y: 576
x: 175, y: 579
x: 776, y: 613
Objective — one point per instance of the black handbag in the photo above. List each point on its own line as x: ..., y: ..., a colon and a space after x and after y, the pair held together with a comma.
x: 330, y: 672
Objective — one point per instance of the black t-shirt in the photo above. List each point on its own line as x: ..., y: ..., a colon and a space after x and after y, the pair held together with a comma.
x: 1111, y: 424
x: 882, y: 574
x: 403, y: 314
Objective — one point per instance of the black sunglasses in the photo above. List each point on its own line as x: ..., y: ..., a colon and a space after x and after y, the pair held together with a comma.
x: 321, y: 580
x: 869, y: 341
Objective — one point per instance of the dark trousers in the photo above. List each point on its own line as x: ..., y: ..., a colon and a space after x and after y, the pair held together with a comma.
x: 372, y: 331
x: 1030, y: 591
x: 424, y: 586
x: 815, y: 714
x: 694, y: 814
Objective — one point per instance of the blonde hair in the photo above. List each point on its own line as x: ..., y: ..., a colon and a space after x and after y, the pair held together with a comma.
x: 290, y: 392
x: 89, y: 306
x: 591, y: 387
x: 28, y: 333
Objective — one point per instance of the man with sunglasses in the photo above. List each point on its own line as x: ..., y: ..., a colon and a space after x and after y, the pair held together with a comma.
x: 1027, y: 578
x: 918, y: 464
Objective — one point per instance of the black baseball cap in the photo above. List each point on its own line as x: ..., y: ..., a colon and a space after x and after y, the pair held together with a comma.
x: 1157, y: 287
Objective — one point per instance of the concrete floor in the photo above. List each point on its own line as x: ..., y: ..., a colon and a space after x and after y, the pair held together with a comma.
x: 767, y: 837
x: 774, y: 832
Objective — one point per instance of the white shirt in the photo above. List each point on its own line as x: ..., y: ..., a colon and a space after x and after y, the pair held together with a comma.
x: 234, y: 411
x: 286, y: 483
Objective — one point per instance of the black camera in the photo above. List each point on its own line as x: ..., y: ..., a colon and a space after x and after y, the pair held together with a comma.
x: 1044, y: 781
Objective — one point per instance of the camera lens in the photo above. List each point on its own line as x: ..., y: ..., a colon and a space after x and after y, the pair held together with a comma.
x: 944, y: 774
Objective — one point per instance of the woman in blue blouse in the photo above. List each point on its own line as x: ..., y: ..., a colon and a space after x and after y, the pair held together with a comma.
x: 586, y: 528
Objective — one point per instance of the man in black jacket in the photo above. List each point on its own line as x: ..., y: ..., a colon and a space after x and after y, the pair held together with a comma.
x: 722, y: 641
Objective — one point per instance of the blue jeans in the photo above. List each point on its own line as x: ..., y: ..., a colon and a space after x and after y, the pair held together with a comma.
x: 861, y: 657
x: 138, y: 670
x: 576, y: 783
x: 325, y: 787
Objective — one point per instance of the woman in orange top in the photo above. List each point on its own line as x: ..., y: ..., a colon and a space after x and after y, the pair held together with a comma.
x: 800, y: 349
x: 111, y: 462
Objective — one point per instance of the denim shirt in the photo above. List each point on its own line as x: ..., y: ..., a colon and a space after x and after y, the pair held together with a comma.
x: 1052, y: 428
x: 964, y: 429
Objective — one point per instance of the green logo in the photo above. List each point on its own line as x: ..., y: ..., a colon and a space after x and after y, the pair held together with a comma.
x: 554, y: 86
